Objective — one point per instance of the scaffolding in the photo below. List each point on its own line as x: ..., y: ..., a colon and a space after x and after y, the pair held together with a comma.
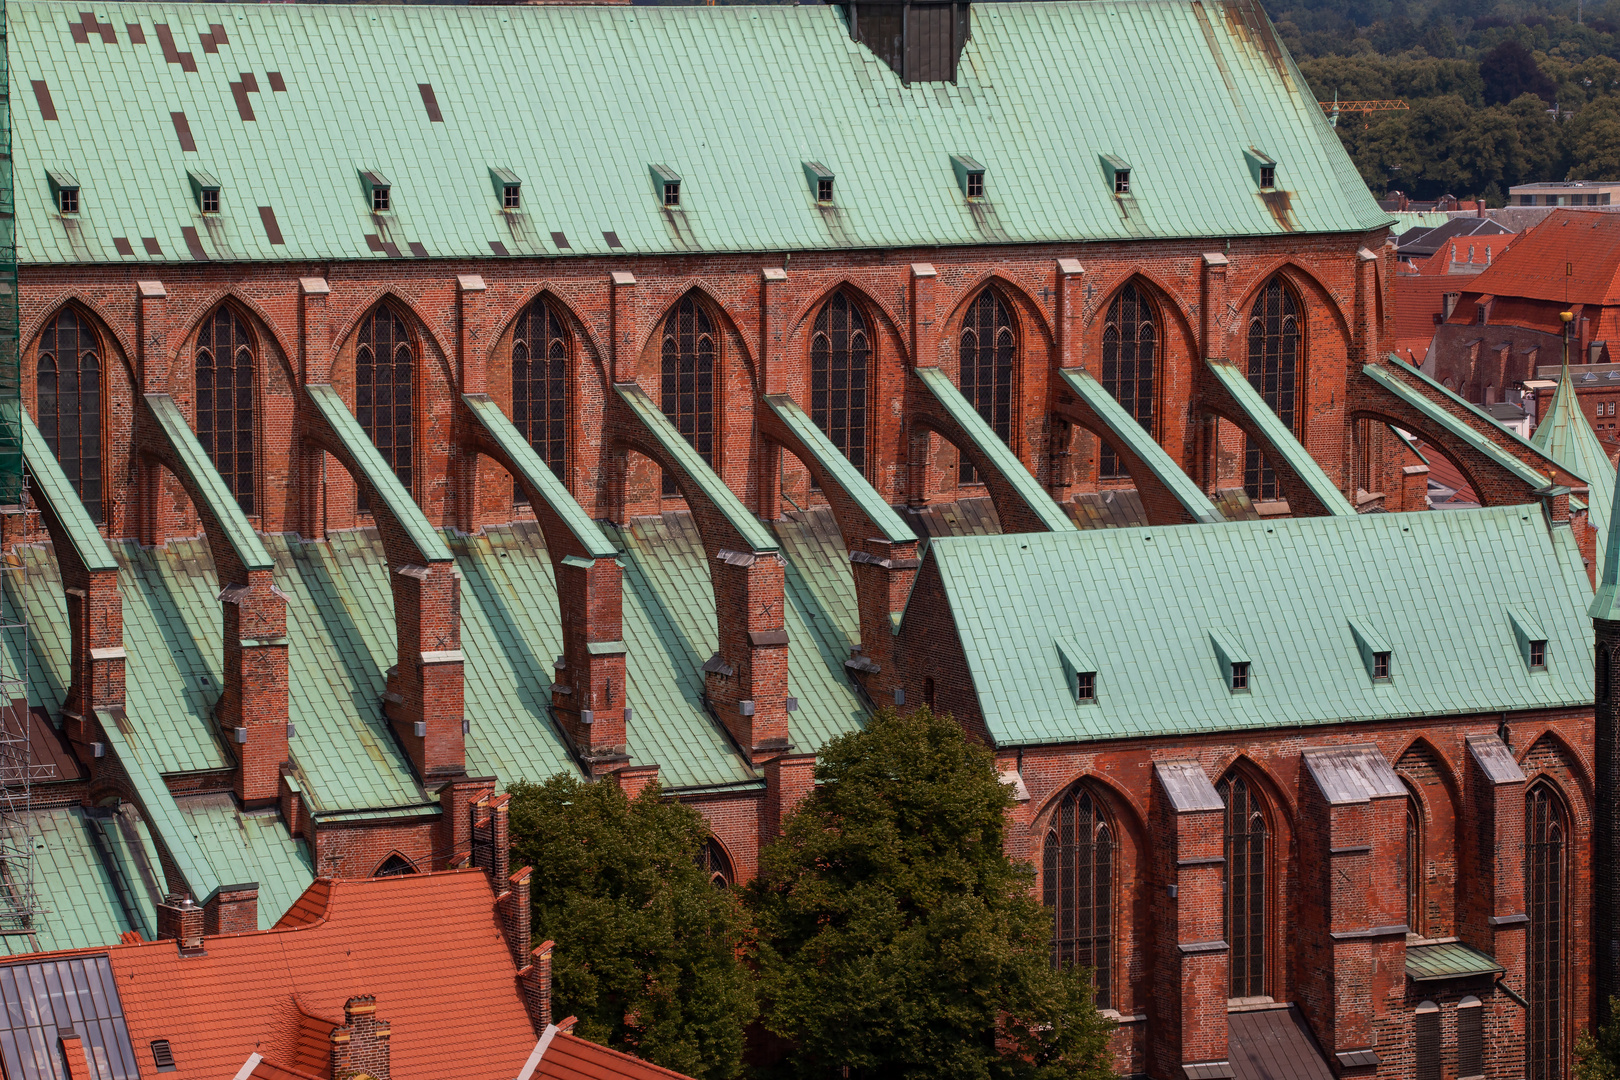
x: 18, y: 898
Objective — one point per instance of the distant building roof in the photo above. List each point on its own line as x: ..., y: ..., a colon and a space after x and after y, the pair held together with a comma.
x: 1585, y: 243
x: 1149, y: 605
x: 1420, y: 243
x: 581, y: 104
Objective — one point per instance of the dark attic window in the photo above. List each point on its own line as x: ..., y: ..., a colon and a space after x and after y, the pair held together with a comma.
x: 672, y: 193
x: 379, y: 199
x: 975, y: 185
x: 1085, y: 685
x: 210, y: 202
x: 1122, y: 182
x: 162, y: 1056
x: 67, y: 200
x: 824, y: 189
x: 1538, y: 656
x: 512, y: 197
x: 1381, y: 665
x: 1240, y: 675
x: 1268, y: 176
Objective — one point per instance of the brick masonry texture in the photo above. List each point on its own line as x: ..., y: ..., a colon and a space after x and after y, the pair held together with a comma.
x: 1172, y: 1002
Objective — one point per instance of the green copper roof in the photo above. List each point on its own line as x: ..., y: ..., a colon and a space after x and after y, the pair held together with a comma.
x: 1296, y: 458
x: 988, y: 443
x: 732, y: 99
x: 747, y: 526
x: 250, y: 847
x: 1447, y: 960
x: 1606, y: 604
x: 1442, y: 417
x: 377, y: 472
x: 87, y: 880
x: 1140, y: 442
x: 1566, y: 436
x: 205, y: 479
x: 837, y: 469
x: 538, y: 475
x: 1144, y: 604
x: 57, y: 493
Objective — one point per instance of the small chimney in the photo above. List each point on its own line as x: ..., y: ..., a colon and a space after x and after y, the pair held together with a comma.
x: 360, y: 1046
x: 492, y: 837
x: 535, y: 980
x: 180, y: 919
x: 234, y: 909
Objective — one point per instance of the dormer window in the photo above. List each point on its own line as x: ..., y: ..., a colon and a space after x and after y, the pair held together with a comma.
x: 1085, y: 686
x: 824, y: 189
x: 162, y: 1056
x: 1381, y: 666
x: 1538, y: 656
x: 1122, y: 182
x: 210, y: 202
x: 667, y: 184
x: 379, y: 193
x: 64, y: 191
x: 204, y: 191
x: 1117, y: 172
x: 508, y: 188
x: 1240, y: 675
x: 969, y: 176
x: 1268, y: 177
x: 1262, y: 168
x: 1531, y: 638
x: 821, y: 181
x: 1233, y: 660
x: 1079, y: 672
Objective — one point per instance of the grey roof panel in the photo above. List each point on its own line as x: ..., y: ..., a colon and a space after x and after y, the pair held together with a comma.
x: 1273, y: 1044
x: 1352, y: 774
x: 1187, y: 786
x: 1495, y: 759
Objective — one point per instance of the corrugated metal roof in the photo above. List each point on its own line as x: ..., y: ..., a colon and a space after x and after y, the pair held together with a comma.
x: 1447, y: 960
x: 1140, y: 602
x: 1273, y: 1044
x: 733, y: 98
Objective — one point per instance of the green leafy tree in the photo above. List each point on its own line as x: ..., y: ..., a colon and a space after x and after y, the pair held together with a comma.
x: 647, y: 949
x: 1597, y: 1056
x: 897, y: 938
x: 1595, y: 142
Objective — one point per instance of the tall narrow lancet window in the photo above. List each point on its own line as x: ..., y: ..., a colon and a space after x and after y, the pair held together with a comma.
x: 688, y: 379
x: 1077, y: 878
x: 1274, y: 347
x: 384, y: 365
x: 540, y: 384
x: 840, y: 349
x: 1547, y: 830
x: 1414, y: 864
x: 70, y: 403
x: 225, y: 401
x: 989, y: 348
x: 1130, y: 353
x: 717, y: 864
x: 1246, y: 883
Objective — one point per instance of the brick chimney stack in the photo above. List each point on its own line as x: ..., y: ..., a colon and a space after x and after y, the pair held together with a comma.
x: 360, y: 1046
x: 180, y: 919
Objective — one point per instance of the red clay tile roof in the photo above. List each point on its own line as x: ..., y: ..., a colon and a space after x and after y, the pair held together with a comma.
x: 311, y: 907
x: 1587, y: 243
x: 572, y: 1058
x: 427, y: 946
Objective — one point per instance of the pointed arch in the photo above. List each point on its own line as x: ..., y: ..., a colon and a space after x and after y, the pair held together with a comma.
x: 395, y: 865
x: 1275, y: 326
x: 269, y: 341
x: 588, y: 345
x: 542, y: 361
x: 113, y: 334
x: 882, y: 315
x: 68, y: 401
x: 716, y: 861
x: 689, y: 356
x: 225, y: 376
x: 1248, y: 882
x: 1551, y: 753
x: 385, y: 386
x: 1547, y: 882
x: 842, y: 358
x: 987, y: 374
x: 728, y: 324
x: 1078, y: 883
x: 1033, y: 323
x: 1132, y: 355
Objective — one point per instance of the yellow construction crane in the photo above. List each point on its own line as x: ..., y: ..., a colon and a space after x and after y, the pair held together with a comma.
x: 1335, y: 107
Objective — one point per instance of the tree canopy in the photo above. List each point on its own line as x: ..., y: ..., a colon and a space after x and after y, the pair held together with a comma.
x: 647, y: 952
x: 896, y: 937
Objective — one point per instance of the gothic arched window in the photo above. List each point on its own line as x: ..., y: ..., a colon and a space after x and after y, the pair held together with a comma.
x: 1274, y: 350
x: 1547, y: 830
x: 989, y: 347
x: 1414, y: 863
x: 384, y: 367
x: 839, y: 351
x: 1077, y: 877
x: 1246, y: 885
x: 540, y: 384
x: 688, y: 379
x: 70, y: 403
x: 396, y: 865
x: 1130, y: 353
x: 717, y: 864
x: 225, y: 401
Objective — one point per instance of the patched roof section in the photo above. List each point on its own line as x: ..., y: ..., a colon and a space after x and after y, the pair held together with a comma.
x: 1141, y: 603
x: 1571, y: 256
x: 284, y: 103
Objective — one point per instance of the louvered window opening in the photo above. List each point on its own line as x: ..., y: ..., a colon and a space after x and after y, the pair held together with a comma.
x: 162, y: 1055
x: 540, y: 386
x: 1129, y: 354
x: 688, y: 380
x: 70, y: 404
x: 1470, y: 1039
x: 1546, y: 829
x: 989, y: 348
x: 225, y: 402
x: 716, y: 864
x: 840, y: 352
x: 1273, y: 371
x: 1426, y: 1052
x: 1245, y: 914
x: 1077, y: 881
x: 384, y: 367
